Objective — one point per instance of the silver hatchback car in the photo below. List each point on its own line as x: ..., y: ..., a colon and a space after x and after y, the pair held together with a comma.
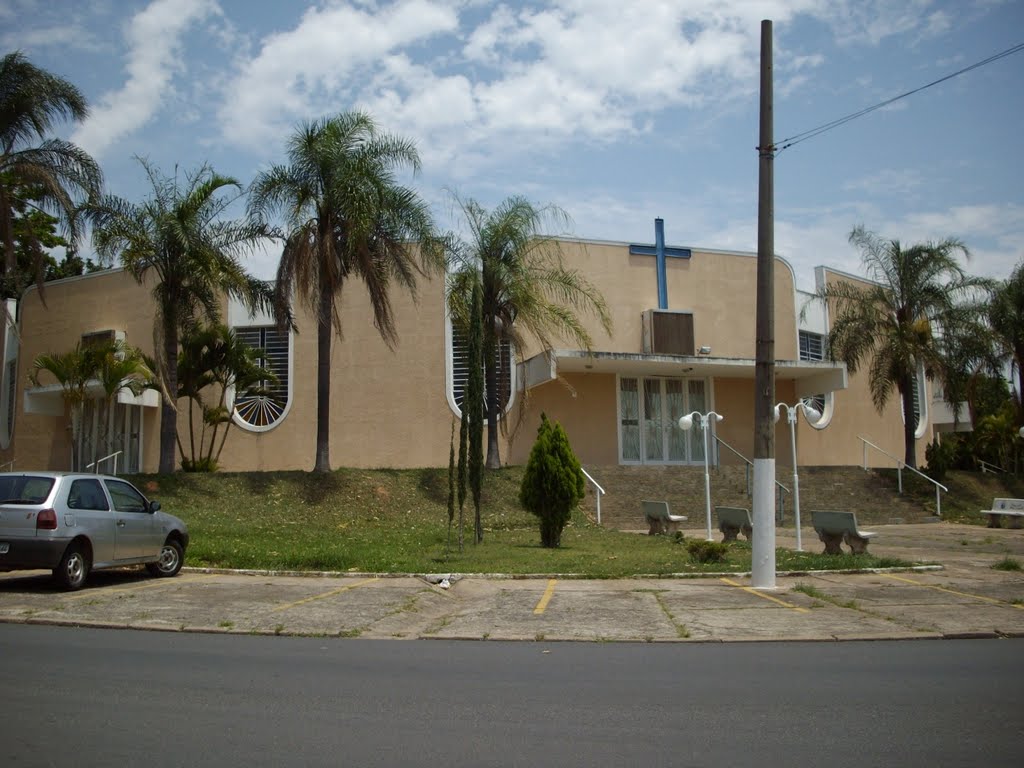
x: 75, y: 523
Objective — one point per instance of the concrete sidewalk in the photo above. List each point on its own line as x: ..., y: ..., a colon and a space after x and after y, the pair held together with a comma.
x: 965, y: 598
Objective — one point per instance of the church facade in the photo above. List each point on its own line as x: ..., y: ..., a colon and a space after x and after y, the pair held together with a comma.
x: 683, y: 342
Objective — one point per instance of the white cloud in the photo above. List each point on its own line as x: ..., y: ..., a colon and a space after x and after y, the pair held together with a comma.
x: 310, y: 70
x: 154, y: 37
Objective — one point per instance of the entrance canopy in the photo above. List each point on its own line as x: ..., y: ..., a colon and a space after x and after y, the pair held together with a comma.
x: 810, y: 377
x: 48, y: 400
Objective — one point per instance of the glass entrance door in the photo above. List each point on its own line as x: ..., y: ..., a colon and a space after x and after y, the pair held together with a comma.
x: 649, y: 411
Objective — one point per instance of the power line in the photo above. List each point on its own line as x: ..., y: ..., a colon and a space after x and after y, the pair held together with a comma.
x: 797, y: 138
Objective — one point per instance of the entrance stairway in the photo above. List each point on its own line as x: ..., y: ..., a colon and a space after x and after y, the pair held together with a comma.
x: 873, y: 496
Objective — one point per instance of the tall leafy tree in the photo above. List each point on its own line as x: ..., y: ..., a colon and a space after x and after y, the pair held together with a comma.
x: 347, y: 216
x: 178, y: 242
x: 473, y: 407
x: 1006, y: 317
x: 39, y: 173
x: 527, y: 290
x: 894, y: 325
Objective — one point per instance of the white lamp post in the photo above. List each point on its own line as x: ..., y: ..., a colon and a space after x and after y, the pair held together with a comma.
x: 811, y: 414
x: 686, y: 423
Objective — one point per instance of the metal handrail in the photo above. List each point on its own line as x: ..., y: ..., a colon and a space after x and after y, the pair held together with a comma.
x: 97, y: 463
x: 600, y: 493
x: 988, y: 467
x: 7, y: 464
x: 900, y: 466
x: 749, y: 465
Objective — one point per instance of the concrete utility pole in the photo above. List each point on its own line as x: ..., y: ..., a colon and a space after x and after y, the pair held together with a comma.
x: 763, y: 545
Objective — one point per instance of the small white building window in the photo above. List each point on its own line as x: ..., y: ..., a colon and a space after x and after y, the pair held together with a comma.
x: 812, y: 346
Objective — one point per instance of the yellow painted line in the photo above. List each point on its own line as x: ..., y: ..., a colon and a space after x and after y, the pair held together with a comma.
x: 337, y: 591
x: 543, y: 604
x: 753, y: 591
x: 992, y: 600
x: 150, y: 584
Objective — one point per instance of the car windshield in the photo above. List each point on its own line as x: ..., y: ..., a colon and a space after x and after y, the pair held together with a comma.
x: 24, y: 489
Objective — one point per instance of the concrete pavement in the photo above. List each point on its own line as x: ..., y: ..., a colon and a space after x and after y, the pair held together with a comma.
x: 963, y: 598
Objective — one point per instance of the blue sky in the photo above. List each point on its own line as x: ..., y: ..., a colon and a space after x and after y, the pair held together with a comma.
x: 617, y: 112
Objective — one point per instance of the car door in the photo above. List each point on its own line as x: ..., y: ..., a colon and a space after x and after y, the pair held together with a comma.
x: 88, y: 512
x: 137, y: 533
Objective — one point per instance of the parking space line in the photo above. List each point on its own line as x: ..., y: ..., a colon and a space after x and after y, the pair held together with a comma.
x: 337, y: 591
x: 753, y: 591
x: 543, y: 604
x: 151, y: 584
x: 993, y: 600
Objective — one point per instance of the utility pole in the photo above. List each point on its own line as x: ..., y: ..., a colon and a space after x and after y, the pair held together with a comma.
x: 763, y: 545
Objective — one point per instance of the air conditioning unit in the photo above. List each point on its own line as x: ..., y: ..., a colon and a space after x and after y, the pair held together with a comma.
x: 667, y: 332
x: 96, y: 338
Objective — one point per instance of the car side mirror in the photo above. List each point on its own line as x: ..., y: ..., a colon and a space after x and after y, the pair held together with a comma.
x: 154, y: 506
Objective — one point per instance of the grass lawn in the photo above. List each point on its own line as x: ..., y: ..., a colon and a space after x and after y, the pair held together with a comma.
x: 395, y: 521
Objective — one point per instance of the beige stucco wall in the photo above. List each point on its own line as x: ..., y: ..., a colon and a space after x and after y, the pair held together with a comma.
x: 389, y: 408
x: 102, y: 301
x: 855, y: 415
x: 720, y: 289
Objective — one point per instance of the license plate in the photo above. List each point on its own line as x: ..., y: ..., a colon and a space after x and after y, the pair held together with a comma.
x: 4, y: 547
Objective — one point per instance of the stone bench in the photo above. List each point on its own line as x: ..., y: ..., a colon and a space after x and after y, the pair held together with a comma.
x: 834, y: 528
x: 659, y: 518
x: 733, y: 521
x: 1011, y: 508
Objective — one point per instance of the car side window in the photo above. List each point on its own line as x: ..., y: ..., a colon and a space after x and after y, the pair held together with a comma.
x: 126, y: 498
x: 87, y: 494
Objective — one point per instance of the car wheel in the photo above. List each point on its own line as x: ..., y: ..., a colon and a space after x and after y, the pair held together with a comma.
x: 171, y: 559
x: 74, y: 567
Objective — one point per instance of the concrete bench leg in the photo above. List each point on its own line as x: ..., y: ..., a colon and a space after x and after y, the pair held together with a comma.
x: 670, y: 528
x: 747, y: 532
x: 995, y: 521
x: 729, y: 532
x: 833, y: 542
x: 857, y: 545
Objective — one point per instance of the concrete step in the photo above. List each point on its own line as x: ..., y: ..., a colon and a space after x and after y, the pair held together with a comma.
x: 872, y: 496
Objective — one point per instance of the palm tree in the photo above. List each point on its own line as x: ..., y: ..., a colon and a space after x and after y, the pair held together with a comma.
x: 54, y: 171
x: 213, y: 356
x: 113, y: 366
x: 346, y: 217
x: 118, y: 366
x: 526, y: 288
x: 178, y: 238
x: 896, y: 323
x: 1006, y: 317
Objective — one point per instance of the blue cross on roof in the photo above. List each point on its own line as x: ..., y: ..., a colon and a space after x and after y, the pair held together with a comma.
x: 661, y: 252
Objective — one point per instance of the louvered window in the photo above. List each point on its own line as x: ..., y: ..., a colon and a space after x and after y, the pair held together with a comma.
x: 812, y: 346
x: 265, y: 408
x: 460, y: 371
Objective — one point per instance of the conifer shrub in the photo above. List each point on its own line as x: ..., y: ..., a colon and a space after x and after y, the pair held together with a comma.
x: 553, y: 482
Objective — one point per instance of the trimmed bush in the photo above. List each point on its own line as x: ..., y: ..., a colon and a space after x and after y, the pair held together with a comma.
x: 707, y: 551
x: 553, y: 482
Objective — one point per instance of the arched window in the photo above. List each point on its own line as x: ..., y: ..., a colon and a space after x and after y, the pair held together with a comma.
x: 265, y: 410
x: 458, y: 371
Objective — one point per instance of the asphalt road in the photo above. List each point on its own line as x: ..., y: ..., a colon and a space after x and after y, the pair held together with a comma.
x: 89, y: 697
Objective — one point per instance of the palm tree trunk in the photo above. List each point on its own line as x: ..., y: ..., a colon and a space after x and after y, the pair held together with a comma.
x: 168, y: 413
x: 323, y: 384
x: 491, y: 386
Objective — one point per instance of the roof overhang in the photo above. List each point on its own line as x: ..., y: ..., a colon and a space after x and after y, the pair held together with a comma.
x: 810, y: 377
x: 48, y: 400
